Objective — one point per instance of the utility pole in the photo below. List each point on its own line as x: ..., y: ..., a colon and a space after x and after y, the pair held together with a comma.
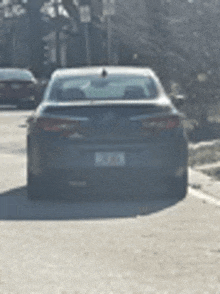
x: 35, y: 38
x: 109, y: 30
x: 85, y: 18
x: 2, y: 34
x: 109, y: 10
x: 57, y: 34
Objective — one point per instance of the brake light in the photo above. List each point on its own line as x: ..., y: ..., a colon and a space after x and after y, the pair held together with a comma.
x: 161, y: 123
x: 58, y: 125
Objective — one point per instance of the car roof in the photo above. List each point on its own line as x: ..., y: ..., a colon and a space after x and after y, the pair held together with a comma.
x: 11, y: 69
x: 97, y: 70
x: 8, y: 73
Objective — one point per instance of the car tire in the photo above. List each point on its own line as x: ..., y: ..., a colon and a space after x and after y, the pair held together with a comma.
x: 39, y: 188
x: 34, y: 187
x: 177, y: 186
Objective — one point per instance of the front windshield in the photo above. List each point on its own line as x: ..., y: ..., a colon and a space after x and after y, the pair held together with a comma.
x: 113, y: 87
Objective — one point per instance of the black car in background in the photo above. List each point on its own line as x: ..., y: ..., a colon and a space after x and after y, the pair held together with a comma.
x: 104, y: 133
x: 18, y: 87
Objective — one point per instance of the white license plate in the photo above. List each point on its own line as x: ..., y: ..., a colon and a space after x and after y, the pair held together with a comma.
x: 109, y: 159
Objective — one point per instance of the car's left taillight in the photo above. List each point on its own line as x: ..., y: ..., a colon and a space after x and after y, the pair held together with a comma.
x: 62, y: 127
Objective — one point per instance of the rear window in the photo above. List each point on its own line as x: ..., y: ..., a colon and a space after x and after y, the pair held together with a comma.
x: 15, y: 74
x: 113, y: 87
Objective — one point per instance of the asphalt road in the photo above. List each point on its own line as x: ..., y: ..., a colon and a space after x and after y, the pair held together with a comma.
x: 54, y: 247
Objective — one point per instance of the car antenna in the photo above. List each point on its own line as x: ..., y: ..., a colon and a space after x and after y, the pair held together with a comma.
x: 104, y: 73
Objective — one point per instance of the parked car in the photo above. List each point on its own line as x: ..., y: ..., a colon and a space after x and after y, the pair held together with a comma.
x: 40, y: 88
x: 106, y: 131
x: 18, y: 87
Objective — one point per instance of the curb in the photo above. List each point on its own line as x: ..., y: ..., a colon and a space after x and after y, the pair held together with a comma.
x: 206, y: 184
x: 204, y: 144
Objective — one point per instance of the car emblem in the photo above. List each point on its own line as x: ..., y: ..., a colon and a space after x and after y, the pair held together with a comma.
x: 78, y: 183
x: 76, y: 136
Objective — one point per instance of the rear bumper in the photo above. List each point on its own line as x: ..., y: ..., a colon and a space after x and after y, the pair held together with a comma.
x: 111, y: 176
x: 17, y: 100
x: 113, y: 184
x: 147, y: 170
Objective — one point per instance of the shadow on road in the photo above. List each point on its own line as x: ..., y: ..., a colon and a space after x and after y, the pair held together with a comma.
x: 14, y: 205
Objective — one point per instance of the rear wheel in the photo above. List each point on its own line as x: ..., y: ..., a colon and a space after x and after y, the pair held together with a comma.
x: 34, y: 187
x: 43, y: 188
x: 177, y: 186
x: 39, y: 189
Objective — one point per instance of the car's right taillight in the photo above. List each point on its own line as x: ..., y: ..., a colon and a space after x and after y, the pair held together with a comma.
x: 160, y: 123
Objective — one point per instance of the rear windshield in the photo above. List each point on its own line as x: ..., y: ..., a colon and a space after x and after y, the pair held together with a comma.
x: 14, y: 74
x: 113, y: 87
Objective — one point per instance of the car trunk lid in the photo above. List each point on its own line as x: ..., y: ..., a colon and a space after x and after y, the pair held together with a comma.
x: 108, y: 121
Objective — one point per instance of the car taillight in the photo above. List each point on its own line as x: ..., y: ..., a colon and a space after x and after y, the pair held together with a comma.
x: 62, y: 126
x: 161, y: 123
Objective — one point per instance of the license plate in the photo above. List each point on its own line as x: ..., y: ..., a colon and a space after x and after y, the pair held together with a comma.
x: 109, y: 159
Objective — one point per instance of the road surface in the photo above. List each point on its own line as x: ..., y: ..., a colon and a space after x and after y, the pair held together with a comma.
x: 107, y: 248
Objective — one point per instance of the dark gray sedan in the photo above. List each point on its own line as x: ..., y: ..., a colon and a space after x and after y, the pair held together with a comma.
x: 106, y: 133
x: 18, y: 87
